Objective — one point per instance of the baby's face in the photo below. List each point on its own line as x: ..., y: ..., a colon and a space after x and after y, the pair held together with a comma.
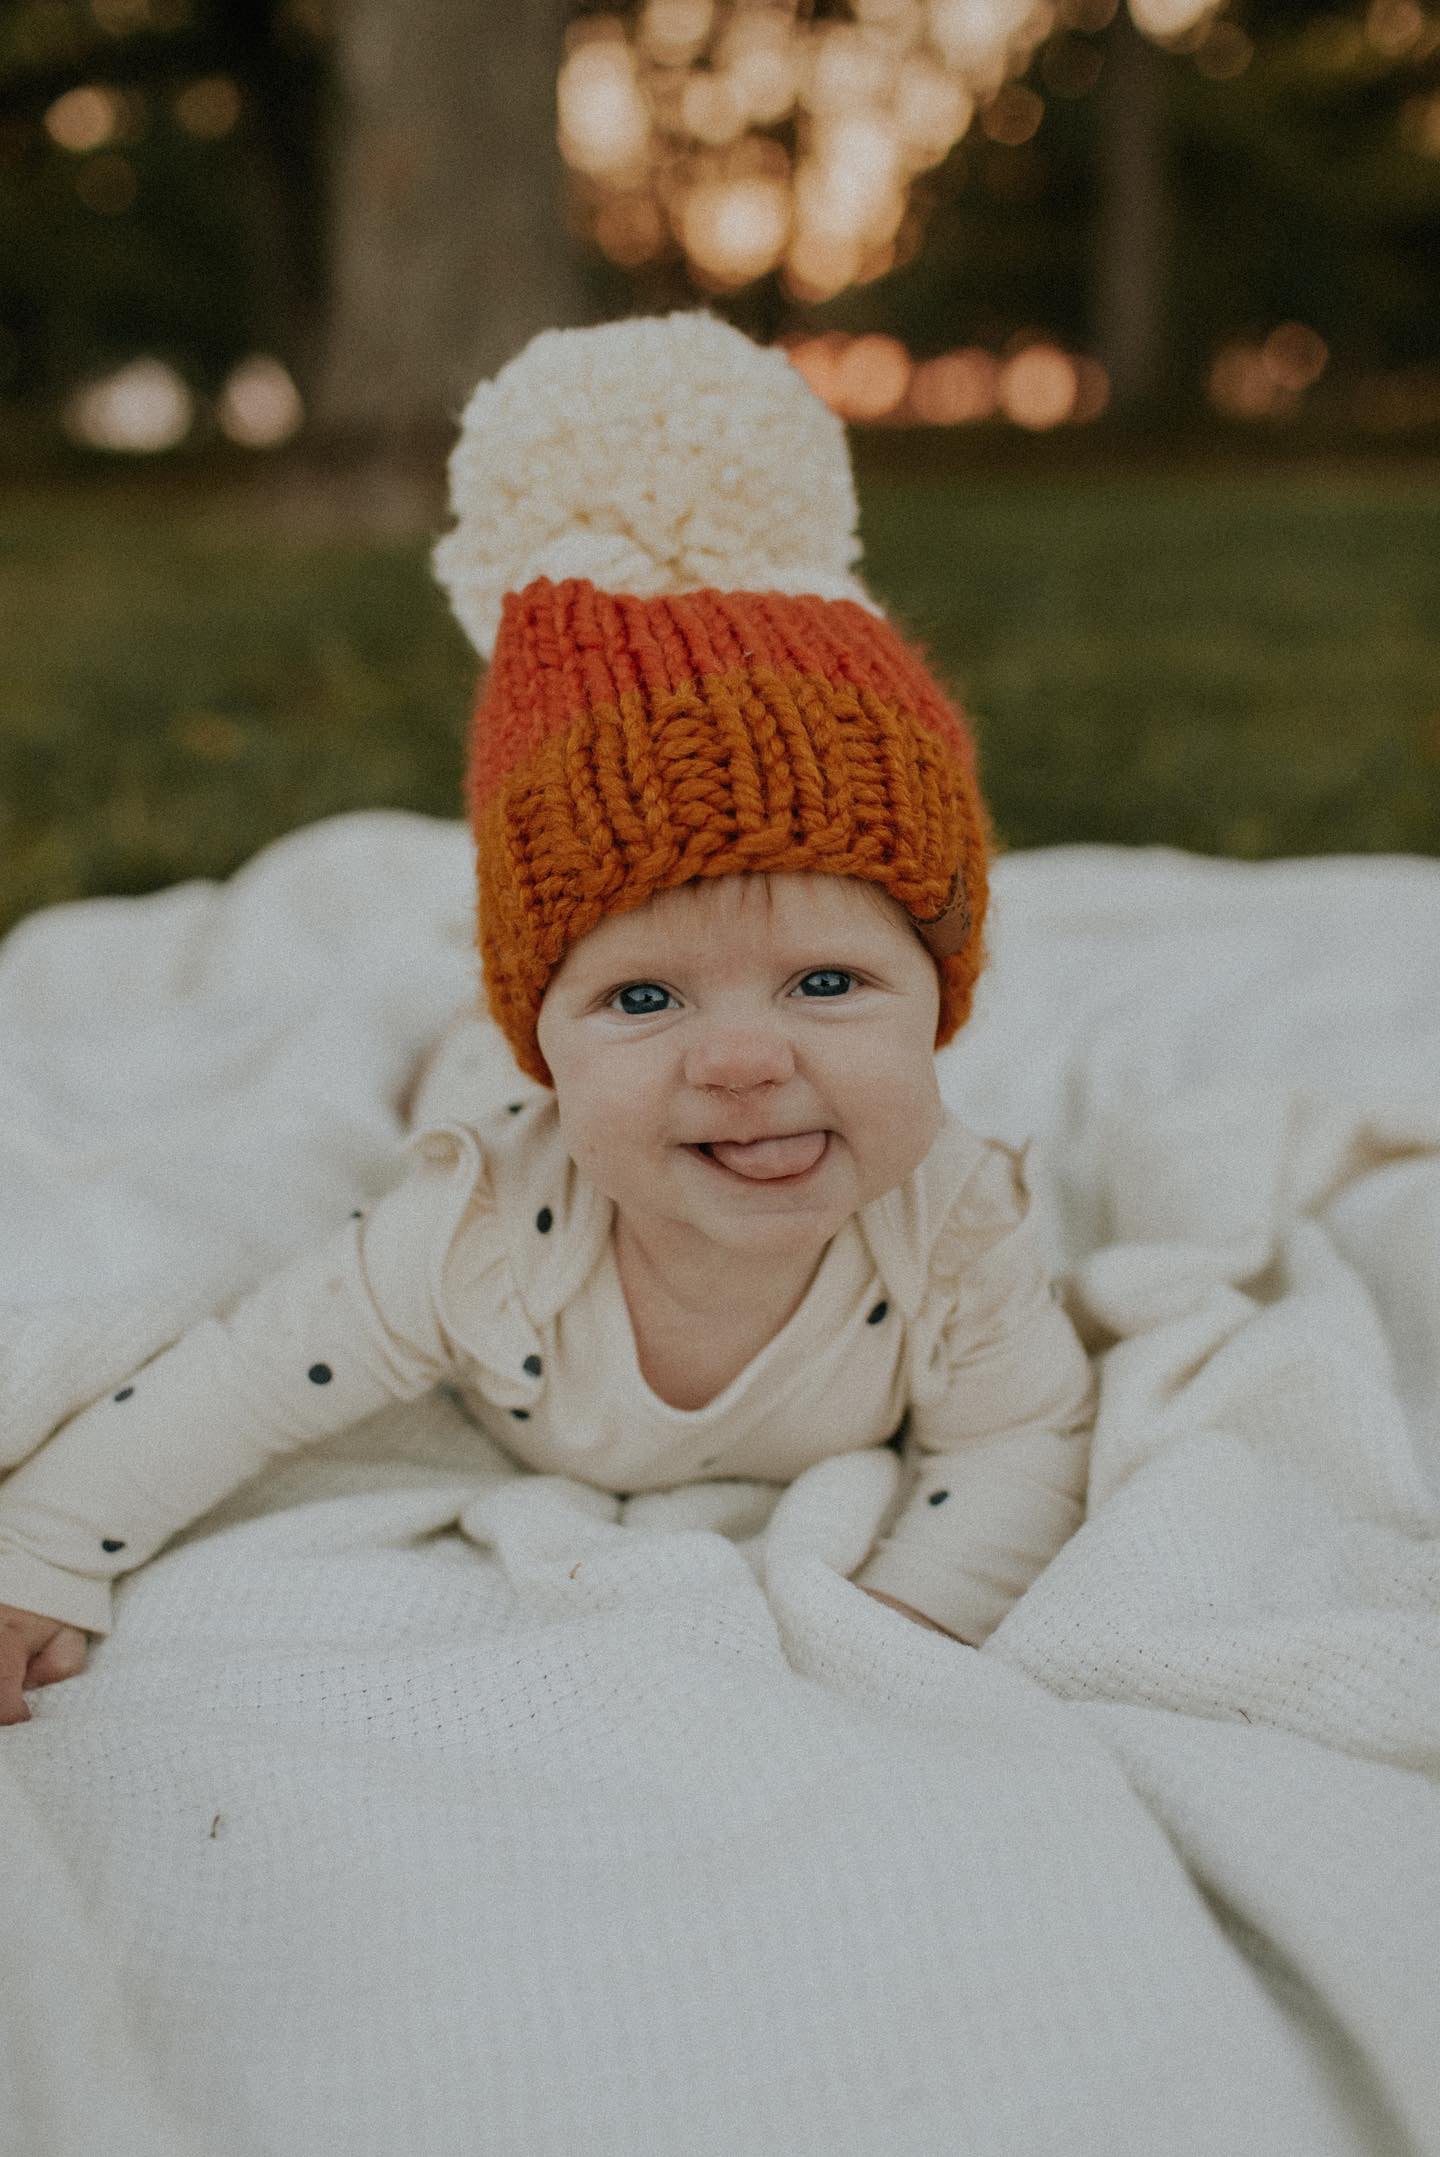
x: 744, y: 1007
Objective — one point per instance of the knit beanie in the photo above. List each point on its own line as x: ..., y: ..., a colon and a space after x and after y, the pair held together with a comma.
x: 653, y: 549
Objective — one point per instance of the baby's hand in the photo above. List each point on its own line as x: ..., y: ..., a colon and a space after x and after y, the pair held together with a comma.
x: 34, y: 1651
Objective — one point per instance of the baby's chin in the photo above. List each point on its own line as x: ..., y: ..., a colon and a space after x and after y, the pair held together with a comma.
x: 772, y: 1240
x: 776, y: 1213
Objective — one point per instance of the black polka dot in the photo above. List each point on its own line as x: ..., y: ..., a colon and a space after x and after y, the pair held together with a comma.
x: 521, y: 1415
x: 358, y: 1214
x: 107, y: 1544
x: 320, y: 1374
x: 124, y: 1393
x: 938, y: 1497
x: 544, y: 1220
x: 514, y: 1107
x: 534, y: 1366
x: 877, y: 1314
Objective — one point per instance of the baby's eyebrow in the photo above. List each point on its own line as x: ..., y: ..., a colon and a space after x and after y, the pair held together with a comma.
x: 694, y: 956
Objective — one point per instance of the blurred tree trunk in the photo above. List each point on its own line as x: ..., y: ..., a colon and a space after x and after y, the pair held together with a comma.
x: 1135, y: 220
x: 448, y: 238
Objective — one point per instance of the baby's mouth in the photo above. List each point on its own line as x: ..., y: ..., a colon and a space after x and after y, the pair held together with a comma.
x: 769, y: 1160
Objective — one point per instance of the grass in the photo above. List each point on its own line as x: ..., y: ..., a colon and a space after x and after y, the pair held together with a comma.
x: 1247, y: 666
x: 1233, y: 662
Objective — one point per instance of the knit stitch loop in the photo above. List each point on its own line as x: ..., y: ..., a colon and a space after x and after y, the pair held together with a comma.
x: 623, y: 746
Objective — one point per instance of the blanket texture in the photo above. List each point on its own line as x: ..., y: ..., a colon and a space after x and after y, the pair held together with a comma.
x: 419, y: 1804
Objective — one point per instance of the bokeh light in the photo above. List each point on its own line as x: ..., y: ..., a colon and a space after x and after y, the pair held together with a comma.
x: 84, y: 119
x: 259, y: 406
x: 872, y: 375
x: 972, y: 35
x: 1092, y: 389
x: 652, y: 104
x: 871, y: 378
x: 1038, y: 387
x: 673, y: 31
x: 1266, y: 380
x: 1242, y: 386
x: 955, y: 389
x: 1013, y: 115
x: 1294, y: 356
x: 737, y: 229
x: 932, y: 111
x: 1167, y: 19
x: 142, y: 408
x: 1394, y: 27
x: 631, y: 229
x: 604, y: 125
x: 209, y: 107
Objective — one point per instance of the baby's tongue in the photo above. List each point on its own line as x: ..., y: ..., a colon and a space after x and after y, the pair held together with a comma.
x: 764, y: 1158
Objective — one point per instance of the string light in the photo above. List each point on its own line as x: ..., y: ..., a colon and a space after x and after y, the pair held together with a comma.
x: 659, y: 104
x: 656, y: 110
x: 869, y: 378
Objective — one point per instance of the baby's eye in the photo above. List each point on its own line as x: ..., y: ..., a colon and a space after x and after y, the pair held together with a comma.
x: 640, y: 988
x: 835, y: 977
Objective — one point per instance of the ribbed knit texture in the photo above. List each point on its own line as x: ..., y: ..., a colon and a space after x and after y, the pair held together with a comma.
x: 622, y: 746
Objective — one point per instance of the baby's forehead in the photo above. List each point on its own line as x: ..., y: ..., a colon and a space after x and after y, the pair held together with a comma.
x: 810, y: 921
x: 797, y: 899
x: 767, y: 911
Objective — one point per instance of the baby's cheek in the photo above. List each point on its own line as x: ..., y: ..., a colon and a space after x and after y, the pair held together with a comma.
x: 899, y: 1133
x: 615, y: 1160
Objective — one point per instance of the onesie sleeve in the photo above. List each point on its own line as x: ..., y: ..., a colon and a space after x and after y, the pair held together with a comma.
x: 1003, y: 1405
x: 348, y: 1326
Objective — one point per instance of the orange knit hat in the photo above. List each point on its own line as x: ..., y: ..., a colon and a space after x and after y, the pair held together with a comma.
x: 655, y: 533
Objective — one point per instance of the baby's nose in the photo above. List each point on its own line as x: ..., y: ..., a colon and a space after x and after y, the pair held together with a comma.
x: 738, y: 1065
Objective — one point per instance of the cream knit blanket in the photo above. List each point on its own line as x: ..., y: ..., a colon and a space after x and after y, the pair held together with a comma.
x: 378, y: 1828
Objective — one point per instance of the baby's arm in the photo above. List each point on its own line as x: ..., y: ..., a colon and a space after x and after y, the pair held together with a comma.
x: 1001, y: 1450
x: 339, y: 1332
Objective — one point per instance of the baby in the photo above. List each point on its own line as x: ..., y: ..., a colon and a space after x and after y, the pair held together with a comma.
x: 731, y: 861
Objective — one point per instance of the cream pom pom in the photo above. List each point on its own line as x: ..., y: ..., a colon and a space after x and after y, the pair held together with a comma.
x: 656, y: 455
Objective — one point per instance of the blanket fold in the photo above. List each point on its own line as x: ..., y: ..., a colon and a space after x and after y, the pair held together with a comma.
x: 418, y: 1803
